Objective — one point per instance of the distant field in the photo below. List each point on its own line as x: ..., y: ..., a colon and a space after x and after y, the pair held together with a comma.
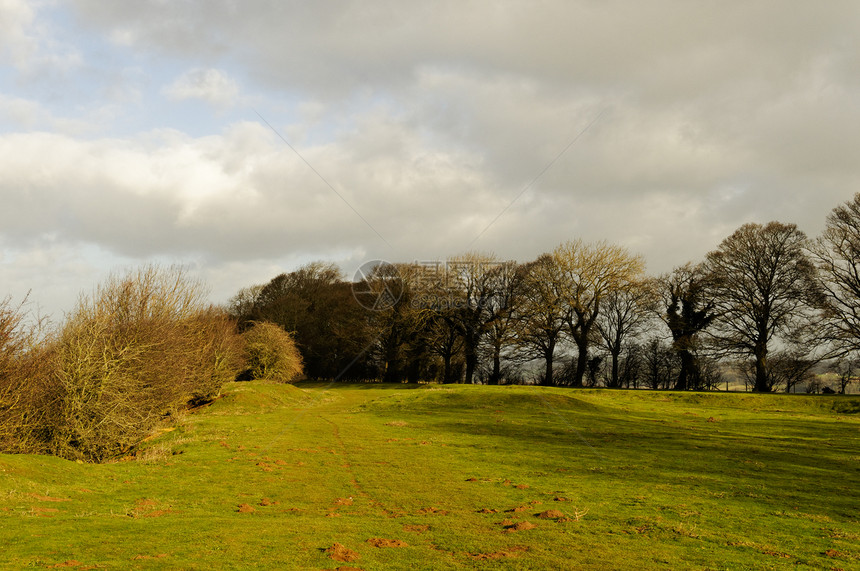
x: 457, y: 477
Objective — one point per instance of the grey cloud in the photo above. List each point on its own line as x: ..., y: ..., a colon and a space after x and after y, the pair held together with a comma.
x: 341, y: 44
x: 211, y: 85
x: 430, y: 118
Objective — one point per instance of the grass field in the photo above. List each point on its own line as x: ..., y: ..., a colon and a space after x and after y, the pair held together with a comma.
x: 457, y: 477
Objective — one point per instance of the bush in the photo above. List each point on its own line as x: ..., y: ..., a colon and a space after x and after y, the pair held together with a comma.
x: 142, y: 346
x: 272, y: 353
x: 24, y: 399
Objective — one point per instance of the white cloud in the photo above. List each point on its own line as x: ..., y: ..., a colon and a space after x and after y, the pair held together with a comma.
x: 242, y: 194
x: 211, y: 85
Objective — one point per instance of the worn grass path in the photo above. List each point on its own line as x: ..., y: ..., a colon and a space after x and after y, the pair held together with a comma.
x: 272, y: 476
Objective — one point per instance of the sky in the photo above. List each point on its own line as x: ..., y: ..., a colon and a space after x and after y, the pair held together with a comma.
x: 245, y: 139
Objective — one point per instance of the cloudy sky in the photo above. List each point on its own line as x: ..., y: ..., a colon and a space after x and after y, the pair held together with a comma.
x: 244, y: 139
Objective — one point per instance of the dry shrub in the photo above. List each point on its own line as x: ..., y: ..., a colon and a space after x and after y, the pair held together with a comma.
x: 141, y: 346
x: 24, y: 398
x: 272, y: 353
x: 215, y: 352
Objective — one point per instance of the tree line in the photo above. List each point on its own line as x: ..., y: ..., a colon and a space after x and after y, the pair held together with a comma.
x: 769, y: 306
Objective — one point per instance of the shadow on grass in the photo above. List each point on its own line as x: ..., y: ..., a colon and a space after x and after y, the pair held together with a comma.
x: 330, y: 385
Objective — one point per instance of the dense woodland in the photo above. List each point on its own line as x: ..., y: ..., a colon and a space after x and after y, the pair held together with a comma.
x: 768, y: 306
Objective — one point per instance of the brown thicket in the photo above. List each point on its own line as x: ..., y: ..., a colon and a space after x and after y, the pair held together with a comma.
x: 141, y: 347
x: 24, y: 397
x: 272, y: 354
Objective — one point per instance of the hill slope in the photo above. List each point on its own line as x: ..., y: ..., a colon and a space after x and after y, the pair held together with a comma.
x: 430, y: 477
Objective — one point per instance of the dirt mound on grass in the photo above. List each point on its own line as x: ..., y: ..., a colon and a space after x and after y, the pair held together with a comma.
x: 432, y: 510
x: 381, y: 542
x: 150, y: 508
x: 340, y: 552
x: 416, y: 528
x: 550, y: 514
x: 520, y: 526
x: 246, y: 509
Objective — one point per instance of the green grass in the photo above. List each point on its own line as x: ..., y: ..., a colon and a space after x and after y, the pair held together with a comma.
x: 650, y: 480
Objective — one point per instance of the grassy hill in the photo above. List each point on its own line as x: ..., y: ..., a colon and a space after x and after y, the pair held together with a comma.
x: 447, y: 477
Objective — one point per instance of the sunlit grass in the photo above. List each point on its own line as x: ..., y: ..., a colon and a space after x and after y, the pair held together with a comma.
x: 272, y: 475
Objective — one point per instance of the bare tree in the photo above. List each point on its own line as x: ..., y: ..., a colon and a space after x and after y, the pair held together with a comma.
x: 789, y: 369
x: 765, y: 289
x: 443, y: 338
x: 402, y: 320
x: 624, y: 313
x: 837, y: 255
x: 786, y: 370
x: 475, y: 284
x: 539, y: 317
x: 631, y: 365
x: 501, y: 311
x: 846, y: 368
x: 658, y: 365
x: 588, y: 273
x: 241, y: 306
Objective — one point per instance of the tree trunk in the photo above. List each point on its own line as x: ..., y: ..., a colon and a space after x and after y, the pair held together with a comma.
x: 581, y: 362
x: 684, y: 374
x: 495, y: 376
x: 614, y: 381
x: 761, y: 381
x: 392, y: 364
x: 547, y: 377
x: 471, y: 365
x: 446, y: 372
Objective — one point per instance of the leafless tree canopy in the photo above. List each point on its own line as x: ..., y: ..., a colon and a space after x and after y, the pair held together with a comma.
x: 765, y: 289
x: 837, y: 254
